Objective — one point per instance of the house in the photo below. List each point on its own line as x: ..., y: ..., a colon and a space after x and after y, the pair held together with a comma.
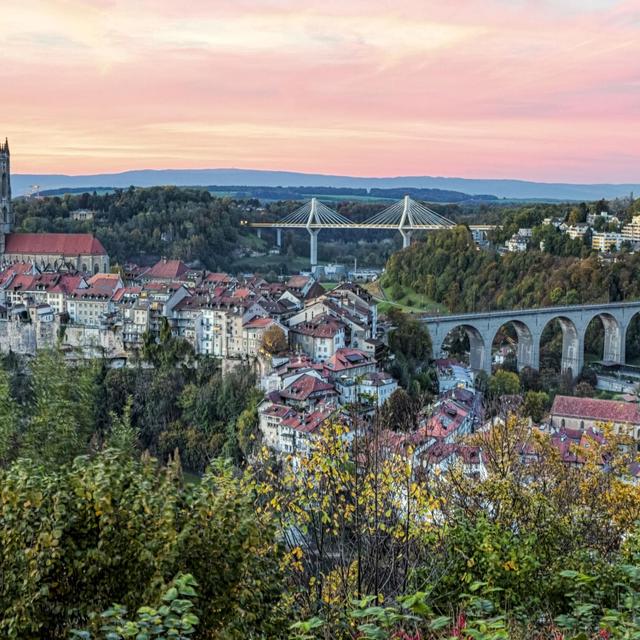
x: 47, y: 288
x: 516, y: 243
x: 457, y: 413
x: 270, y: 417
x: 319, y: 338
x: 374, y: 387
x: 135, y: 314
x: 304, y: 287
x: 89, y: 306
x: 571, y: 443
x: 166, y: 271
x: 288, y: 431
x: 588, y: 413
x: 605, y: 241
x: 604, y: 216
x: 578, y: 231
x: 442, y: 456
x: 631, y: 231
x: 359, y: 322
x: 307, y: 390
x: 225, y: 326
x: 254, y: 329
x: 82, y: 214
x: 453, y: 375
x: 330, y: 272
x: 349, y: 363
x: 297, y: 432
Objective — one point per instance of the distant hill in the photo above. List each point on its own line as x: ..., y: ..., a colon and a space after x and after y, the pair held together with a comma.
x: 512, y: 189
x: 304, y: 193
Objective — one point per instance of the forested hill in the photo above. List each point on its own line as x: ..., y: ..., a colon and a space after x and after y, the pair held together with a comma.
x: 189, y: 224
x: 448, y: 268
x: 304, y: 193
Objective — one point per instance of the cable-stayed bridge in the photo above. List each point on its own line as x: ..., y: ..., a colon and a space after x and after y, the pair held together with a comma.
x: 405, y: 216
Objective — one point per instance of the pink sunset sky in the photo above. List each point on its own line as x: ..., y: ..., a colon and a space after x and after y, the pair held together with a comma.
x: 541, y: 89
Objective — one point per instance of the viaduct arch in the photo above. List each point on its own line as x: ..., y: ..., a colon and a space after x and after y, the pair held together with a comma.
x: 482, y: 328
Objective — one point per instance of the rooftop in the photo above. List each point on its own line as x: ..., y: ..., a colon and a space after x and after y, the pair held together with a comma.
x: 167, y: 269
x: 65, y: 244
x: 598, y: 410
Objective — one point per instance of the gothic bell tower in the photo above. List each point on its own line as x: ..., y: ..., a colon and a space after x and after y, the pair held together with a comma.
x: 6, y: 213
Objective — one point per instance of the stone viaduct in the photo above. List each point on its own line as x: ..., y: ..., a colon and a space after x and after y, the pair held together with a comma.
x: 529, y: 325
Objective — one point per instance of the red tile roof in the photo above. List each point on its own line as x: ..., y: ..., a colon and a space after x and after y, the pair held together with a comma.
x: 167, y: 269
x: 243, y: 292
x: 217, y: 277
x: 305, y: 386
x: 346, y: 358
x: 446, y: 420
x: 104, y: 278
x: 310, y: 422
x: 19, y: 267
x: 571, y: 443
x: 440, y: 451
x: 599, y: 410
x: 258, y: 323
x: 65, y: 244
x: 127, y: 292
x: 278, y: 411
x: 21, y: 281
x: 321, y: 326
x: 298, y: 282
x: 92, y: 293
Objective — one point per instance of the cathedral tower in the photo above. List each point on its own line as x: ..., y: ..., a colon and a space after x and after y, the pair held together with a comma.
x: 6, y: 213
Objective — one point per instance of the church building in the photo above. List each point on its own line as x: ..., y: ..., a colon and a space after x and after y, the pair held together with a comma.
x: 47, y: 251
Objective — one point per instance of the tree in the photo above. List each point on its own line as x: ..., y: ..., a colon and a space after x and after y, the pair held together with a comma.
x: 530, y: 379
x: 401, y: 412
x: 409, y: 337
x: 9, y: 420
x: 536, y: 403
x: 247, y: 425
x: 410, y: 343
x: 533, y: 516
x: 61, y: 418
x: 504, y: 383
x: 274, y: 340
x: 352, y: 516
x: 584, y: 390
x: 109, y: 529
x: 167, y: 350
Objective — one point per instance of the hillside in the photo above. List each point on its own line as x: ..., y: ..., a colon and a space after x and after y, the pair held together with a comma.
x: 448, y: 269
x: 326, y: 193
x: 516, y: 189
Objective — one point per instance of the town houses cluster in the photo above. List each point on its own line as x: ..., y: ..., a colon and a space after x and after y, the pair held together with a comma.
x: 219, y: 315
x: 325, y: 348
x: 603, y: 232
x: 318, y: 354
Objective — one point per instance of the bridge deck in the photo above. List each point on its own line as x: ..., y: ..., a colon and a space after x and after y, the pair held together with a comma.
x: 510, y: 313
x: 360, y: 225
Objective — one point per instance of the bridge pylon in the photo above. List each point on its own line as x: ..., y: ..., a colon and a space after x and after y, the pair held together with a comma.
x: 313, y: 233
x: 406, y: 217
